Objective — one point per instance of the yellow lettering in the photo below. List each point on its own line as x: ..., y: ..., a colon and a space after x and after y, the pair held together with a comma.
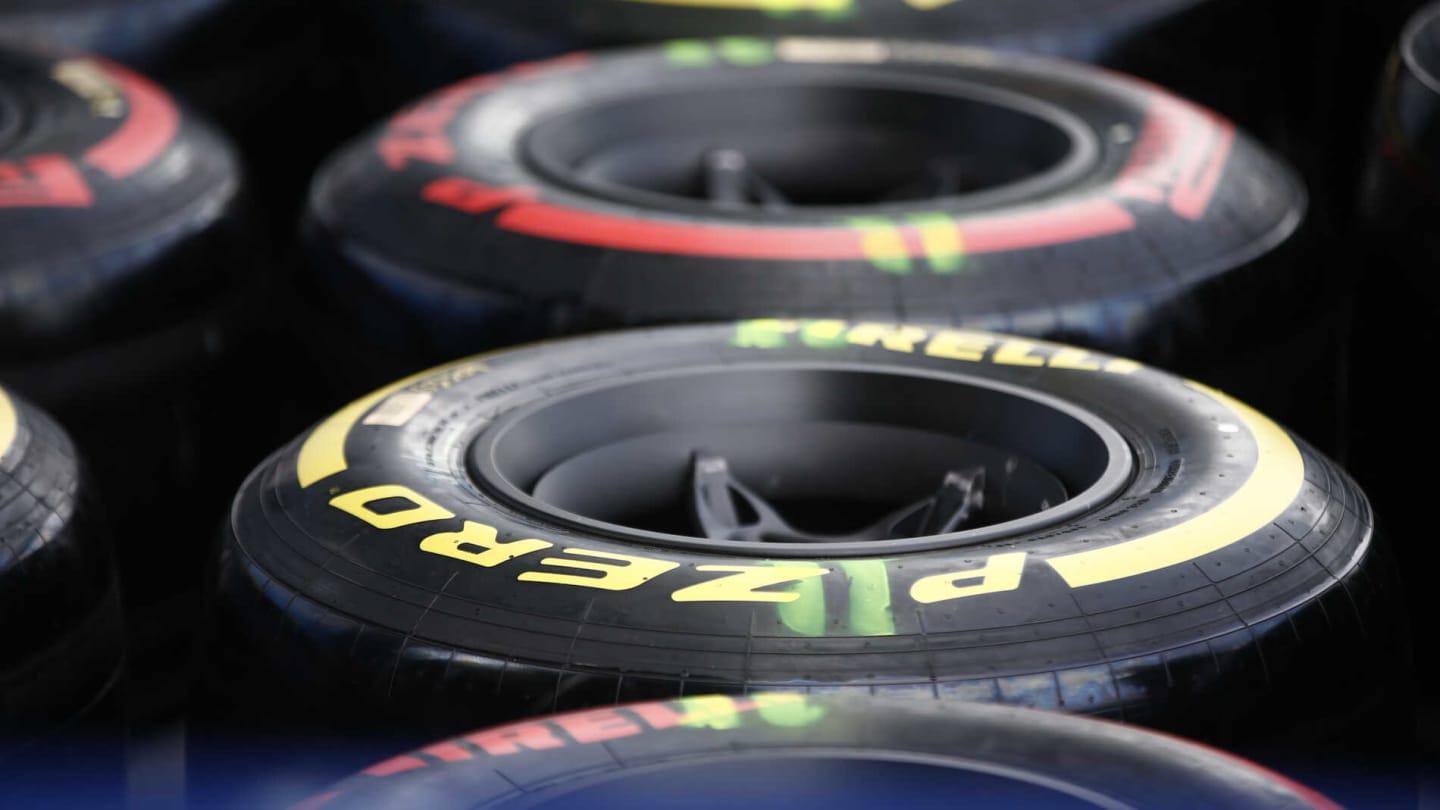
x: 475, y: 544
x: 711, y: 711
x: 788, y: 710
x: 892, y: 337
x: 1122, y: 366
x: 960, y: 344
x: 765, y: 333
x: 420, y: 509
x: 1077, y: 359
x: 1000, y: 573
x: 823, y: 334
x: 1017, y: 353
x: 743, y: 584
x: 630, y: 574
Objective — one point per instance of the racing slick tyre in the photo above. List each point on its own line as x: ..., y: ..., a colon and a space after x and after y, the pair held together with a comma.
x: 275, y: 76
x: 1255, y: 55
x: 793, y: 750
x: 827, y: 505
x: 60, y: 617
x: 440, y: 41
x: 125, y: 288
x: 708, y: 181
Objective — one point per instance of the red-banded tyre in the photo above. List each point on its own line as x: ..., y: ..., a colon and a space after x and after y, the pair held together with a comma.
x: 826, y: 505
x: 272, y: 74
x: 126, y: 283
x: 792, y: 750
x: 709, y: 181
x: 61, y: 636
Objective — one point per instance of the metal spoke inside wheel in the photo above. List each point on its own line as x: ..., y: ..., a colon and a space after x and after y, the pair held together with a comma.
x: 725, y: 509
x: 731, y: 182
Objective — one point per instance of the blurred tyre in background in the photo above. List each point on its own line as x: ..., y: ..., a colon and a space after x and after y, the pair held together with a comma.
x: 792, y: 750
x: 1253, y: 53
x: 128, y: 288
x: 62, y: 639
x: 281, y: 78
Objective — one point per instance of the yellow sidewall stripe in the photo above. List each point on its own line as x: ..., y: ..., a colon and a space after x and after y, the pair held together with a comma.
x: 323, y: 453
x: 1271, y: 489
x: 8, y: 423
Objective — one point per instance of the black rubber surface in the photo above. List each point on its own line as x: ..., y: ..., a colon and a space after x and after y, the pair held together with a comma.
x: 372, y: 579
x: 1144, y: 226
x: 782, y: 749
x: 114, y: 202
x: 60, y: 617
x: 127, y: 281
x: 123, y: 254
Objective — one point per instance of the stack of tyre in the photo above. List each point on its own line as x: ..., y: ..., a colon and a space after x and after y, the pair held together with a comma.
x: 875, y: 378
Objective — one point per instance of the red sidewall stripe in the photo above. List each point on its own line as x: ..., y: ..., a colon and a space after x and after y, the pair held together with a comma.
x: 1181, y: 153
x: 43, y: 181
x: 1085, y: 219
x: 55, y: 181
x: 151, y: 124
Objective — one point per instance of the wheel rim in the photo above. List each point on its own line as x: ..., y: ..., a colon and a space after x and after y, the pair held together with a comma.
x: 9, y: 118
x: 836, y: 460
x: 845, y: 147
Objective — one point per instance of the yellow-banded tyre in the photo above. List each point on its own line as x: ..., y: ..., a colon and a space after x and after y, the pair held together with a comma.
x: 442, y: 40
x: 858, y: 507
x: 1248, y: 69
x: 61, y: 635
x: 792, y: 750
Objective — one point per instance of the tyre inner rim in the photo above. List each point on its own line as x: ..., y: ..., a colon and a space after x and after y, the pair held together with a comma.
x: 9, y: 118
x: 815, y: 148
x: 798, y: 461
